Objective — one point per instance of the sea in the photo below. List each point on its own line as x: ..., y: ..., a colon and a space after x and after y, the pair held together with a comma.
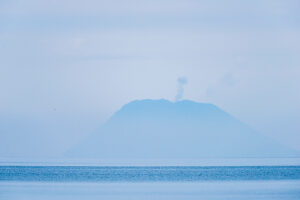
x: 63, y: 181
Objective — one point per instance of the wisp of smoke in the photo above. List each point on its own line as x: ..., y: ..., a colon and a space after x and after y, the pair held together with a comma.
x: 180, y: 90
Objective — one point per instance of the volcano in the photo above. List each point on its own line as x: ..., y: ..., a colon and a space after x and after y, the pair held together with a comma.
x: 160, y: 129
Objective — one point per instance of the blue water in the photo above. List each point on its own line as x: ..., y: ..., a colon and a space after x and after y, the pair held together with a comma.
x: 86, y: 182
x: 146, y: 174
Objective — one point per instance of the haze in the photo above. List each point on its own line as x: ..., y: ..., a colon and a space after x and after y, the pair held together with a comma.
x: 67, y: 66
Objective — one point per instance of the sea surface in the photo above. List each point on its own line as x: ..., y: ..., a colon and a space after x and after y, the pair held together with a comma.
x: 153, y: 182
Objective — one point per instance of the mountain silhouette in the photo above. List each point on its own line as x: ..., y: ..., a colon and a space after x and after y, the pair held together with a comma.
x: 160, y: 129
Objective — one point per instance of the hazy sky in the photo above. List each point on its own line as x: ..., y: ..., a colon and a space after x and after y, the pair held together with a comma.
x: 66, y: 66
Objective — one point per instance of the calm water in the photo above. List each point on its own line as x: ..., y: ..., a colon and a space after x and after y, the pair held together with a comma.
x: 75, y: 182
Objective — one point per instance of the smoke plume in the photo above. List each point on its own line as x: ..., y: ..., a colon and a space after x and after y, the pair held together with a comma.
x: 181, y: 81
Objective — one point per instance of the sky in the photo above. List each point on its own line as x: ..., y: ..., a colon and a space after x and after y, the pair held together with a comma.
x: 67, y: 66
